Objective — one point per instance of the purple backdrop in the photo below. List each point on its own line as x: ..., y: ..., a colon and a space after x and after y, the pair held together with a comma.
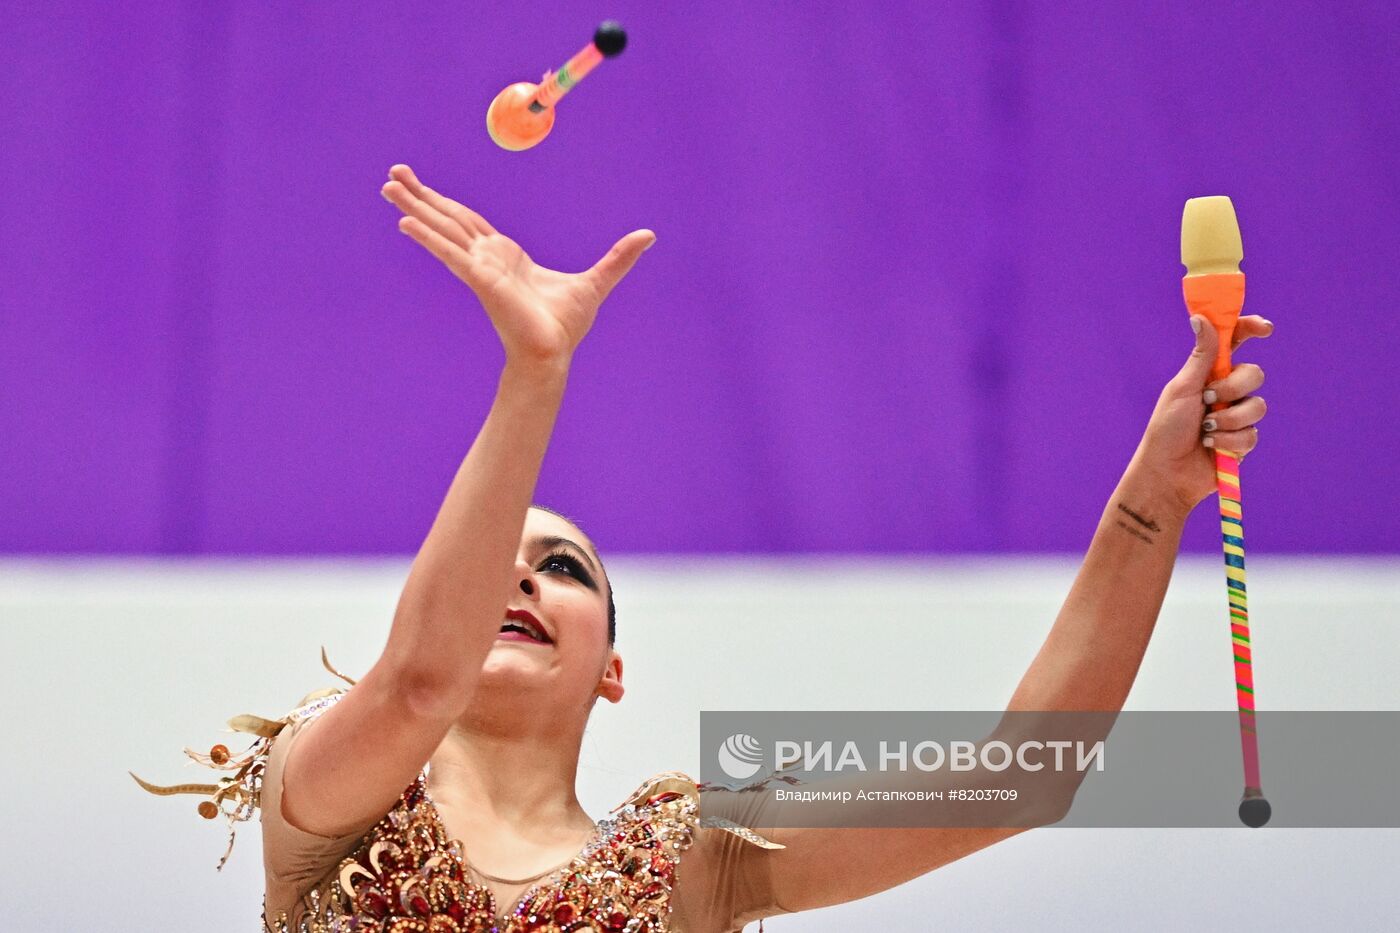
x: 916, y: 286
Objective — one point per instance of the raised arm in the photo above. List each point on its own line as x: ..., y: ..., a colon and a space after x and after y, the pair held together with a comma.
x: 1092, y: 655
x: 354, y: 761
x: 1088, y: 662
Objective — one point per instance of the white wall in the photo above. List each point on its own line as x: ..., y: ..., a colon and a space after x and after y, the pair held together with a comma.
x: 118, y: 664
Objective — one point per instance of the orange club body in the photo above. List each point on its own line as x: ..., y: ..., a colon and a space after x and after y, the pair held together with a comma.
x: 1218, y: 298
x: 523, y: 114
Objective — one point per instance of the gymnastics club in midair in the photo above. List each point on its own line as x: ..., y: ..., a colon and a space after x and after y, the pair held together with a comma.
x: 523, y: 114
x: 1211, y: 251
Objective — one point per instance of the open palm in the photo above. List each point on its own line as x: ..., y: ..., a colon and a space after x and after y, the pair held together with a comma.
x: 539, y: 314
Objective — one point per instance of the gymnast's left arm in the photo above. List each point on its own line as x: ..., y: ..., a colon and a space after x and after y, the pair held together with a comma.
x: 1087, y: 663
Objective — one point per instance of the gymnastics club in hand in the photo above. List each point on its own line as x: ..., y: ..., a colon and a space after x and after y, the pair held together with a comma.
x: 523, y: 114
x: 1214, y: 288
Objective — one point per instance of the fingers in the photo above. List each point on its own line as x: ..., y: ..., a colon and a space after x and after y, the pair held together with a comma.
x: 397, y: 194
x: 609, y: 270
x: 1235, y: 428
x: 1250, y: 326
x: 1196, y: 370
x: 1245, y: 379
x: 452, y: 255
x: 472, y: 223
x: 1235, y: 442
x: 1243, y: 414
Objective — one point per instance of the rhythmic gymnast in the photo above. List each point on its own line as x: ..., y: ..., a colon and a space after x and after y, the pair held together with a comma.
x: 437, y: 793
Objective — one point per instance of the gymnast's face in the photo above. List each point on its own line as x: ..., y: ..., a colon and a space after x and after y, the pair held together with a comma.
x: 559, y: 580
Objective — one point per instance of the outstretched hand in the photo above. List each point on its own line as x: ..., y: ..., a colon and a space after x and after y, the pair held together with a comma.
x: 1183, y: 433
x: 540, y: 315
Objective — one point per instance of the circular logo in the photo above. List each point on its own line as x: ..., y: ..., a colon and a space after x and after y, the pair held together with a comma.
x: 740, y: 756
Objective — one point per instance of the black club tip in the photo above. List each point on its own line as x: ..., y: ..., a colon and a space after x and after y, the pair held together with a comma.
x: 610, y: 39
x: 1255, y: 812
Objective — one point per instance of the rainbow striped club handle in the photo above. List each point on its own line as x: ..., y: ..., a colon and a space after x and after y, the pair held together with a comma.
x: 1227, y: 484
x: 1219, y: 298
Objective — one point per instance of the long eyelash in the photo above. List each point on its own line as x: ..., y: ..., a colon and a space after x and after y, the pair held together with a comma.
x: 575, y: 566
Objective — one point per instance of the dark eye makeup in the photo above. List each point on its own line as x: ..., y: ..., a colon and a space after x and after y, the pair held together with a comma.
x: 574, y: 565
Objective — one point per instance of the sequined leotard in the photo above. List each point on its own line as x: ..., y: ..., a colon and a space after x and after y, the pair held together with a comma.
x: 404, y: 875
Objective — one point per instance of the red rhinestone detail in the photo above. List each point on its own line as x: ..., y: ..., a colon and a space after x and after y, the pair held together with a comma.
x: 374, y: 903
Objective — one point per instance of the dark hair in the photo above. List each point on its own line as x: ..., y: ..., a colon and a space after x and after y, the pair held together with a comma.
x: 612, y: 609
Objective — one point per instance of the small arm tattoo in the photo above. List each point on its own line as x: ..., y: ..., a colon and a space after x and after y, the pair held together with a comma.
x: 1133, y: 531
x: 1146, y: 523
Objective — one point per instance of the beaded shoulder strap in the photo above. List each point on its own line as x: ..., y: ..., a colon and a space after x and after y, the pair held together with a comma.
x: 669, y: 785
x: 236, y: 794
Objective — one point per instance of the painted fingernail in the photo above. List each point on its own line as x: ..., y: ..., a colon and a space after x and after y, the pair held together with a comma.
x: 1209, y: 424
x: 1209, y: 397
x: 1209, y: 441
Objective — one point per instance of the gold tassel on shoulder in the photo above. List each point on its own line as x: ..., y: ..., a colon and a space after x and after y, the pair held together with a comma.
x: 236, y: 795
x: 327, y: 663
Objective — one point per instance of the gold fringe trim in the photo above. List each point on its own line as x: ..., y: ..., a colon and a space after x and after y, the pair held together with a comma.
x: 255, y: 725
x: 326, y: 662
x: 174, y: 789
x: 242, y: 788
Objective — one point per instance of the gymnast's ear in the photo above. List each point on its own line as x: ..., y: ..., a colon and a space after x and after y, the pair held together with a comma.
x: 610, y: 684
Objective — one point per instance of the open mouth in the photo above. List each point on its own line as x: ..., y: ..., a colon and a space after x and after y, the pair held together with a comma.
x: 523, y: 630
